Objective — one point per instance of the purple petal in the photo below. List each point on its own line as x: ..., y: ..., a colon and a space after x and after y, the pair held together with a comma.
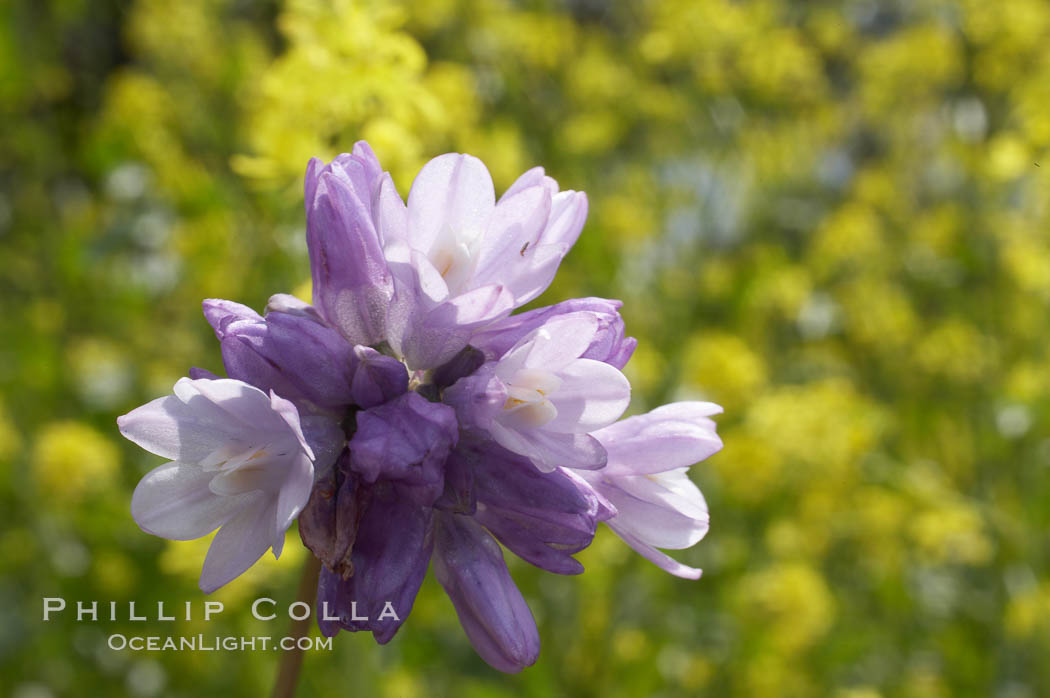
x: 461, y: 365
x: 220, y: 313
x: 285, y: 303
x: 314, y: 168
x: 542, y: 517
x: 293, y: 355
x: 364, y: 154
x: 477, y: 398
x: 407, y: 439
x: 351, y: 282
x: 389, y: 560
x: 459, y: 496
x: 325, y: 439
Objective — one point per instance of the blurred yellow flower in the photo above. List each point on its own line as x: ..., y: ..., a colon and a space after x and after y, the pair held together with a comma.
x: 72, y: 460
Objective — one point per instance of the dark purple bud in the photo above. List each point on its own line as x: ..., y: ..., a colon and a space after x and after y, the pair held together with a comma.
x: 408, y: 440
x: 544, y: 518
x: 462, y: 364
x: 469, y: 564
x: 329, y: 523
x: 378, y: 378
x: 609, y: 344
x: 292, y: 354
x: 389, y: 560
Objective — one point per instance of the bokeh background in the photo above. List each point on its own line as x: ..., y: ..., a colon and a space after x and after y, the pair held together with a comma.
x: 831, y: 217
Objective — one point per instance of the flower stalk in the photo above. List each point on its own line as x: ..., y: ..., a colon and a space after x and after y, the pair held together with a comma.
x: 292, y: 660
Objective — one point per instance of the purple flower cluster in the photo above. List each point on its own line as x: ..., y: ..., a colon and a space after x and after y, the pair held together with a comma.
x: 408, y: 418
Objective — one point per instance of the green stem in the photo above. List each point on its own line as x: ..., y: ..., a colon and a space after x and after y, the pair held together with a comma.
x: 292, y: 660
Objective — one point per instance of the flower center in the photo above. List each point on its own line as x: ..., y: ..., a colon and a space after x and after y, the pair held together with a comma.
x: 452, y: 256
x: 528, y: 403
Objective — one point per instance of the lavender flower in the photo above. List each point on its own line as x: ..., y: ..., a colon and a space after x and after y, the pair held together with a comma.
x: 240, y: 463
x: 541, y: 398
x: 657, y: 505
x: 408, y: 418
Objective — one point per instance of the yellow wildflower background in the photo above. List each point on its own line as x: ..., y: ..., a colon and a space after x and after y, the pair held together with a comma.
x: 831, y: 217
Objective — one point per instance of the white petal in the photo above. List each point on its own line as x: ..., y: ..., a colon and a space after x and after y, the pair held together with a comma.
x: 238, y: 545
x: 390, y: 212
x: 295, y: 491
x: 240, y: 403
x: 551, y: 346
x: 529, y: 280
x: 665, y: 512
x: 454, y: 190
x: 592, y: 395
x: 654, y: 556
x: 530, y: 178
x: 568, y: 214
x: 174, y: 501
x: 286, y: 411
x: 266, y: 476
x: 669, y: 437
x: 514, y: 226
x: 480, y: 306
x: 170, y: 428
x: 548, y: 450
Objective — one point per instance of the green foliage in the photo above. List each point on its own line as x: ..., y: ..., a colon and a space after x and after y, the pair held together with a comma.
x: 830, y: 217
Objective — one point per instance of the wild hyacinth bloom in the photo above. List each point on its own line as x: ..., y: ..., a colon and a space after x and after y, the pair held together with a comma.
x: 657, y: 505
x: 410, y: 420
x: 240, y: 463
x: 542, y: 398
x: 431, y: 272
